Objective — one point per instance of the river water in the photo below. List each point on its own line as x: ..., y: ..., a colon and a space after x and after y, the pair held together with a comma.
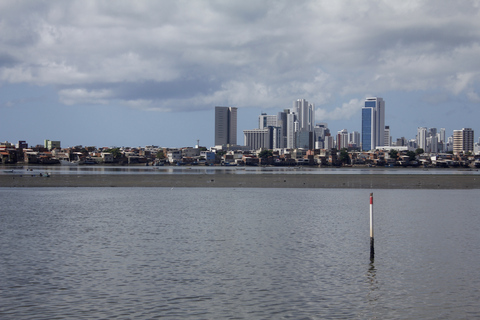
x: 194, y: 253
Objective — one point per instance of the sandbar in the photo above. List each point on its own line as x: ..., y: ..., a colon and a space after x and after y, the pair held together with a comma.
x: 357, y: 181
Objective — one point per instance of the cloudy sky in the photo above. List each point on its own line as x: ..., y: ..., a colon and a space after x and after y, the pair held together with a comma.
x: 135, y: 73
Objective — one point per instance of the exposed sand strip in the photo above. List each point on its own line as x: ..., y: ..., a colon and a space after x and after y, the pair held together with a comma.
x: 367, y: 181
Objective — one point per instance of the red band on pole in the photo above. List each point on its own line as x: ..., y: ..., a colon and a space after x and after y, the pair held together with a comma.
x: 371, y: 200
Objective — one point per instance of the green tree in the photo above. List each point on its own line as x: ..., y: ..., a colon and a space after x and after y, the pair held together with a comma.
x: 219, y: 155
x: 344, y: 158
x: 265, y: 154
x: 393, y: 154
x: 419, y: 151
x: 116, y: 153
x: 411, y: 155
x: 160, y: 155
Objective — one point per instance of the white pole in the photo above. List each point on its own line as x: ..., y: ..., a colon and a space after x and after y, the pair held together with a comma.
x: 372, y: 249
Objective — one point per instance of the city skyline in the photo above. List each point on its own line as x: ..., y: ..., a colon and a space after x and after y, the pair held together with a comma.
x: 145, y: 73
x: 225, y: 123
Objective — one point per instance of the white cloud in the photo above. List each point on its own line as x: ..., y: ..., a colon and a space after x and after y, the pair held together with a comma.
x: 263, y: 54
x: 83, y: 96
x: 345, y: 112
x: 473, y: 96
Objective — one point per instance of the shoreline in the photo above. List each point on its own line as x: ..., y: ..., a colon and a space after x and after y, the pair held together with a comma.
x: 347, y: 181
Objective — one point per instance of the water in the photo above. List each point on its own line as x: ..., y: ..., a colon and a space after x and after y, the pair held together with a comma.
x: 192, y: 253
x: 200, y: 169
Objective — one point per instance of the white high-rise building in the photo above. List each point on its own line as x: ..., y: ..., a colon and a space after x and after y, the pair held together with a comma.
x: 441, y: 135
x: 265, y: 121
x: 257, y: 138
x: 354, y: 139
x: 291, y: 130
x: 387, y: 138
x: 373, y: 123
x: 329, y: 142
x: 342, y: 139
x: 432, y: 144
x: 320, y: 131
x: 422, y: 138
x: 463, y: 140
x: 305, y: 114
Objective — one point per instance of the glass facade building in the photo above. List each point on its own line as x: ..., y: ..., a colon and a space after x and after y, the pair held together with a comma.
x: 373, y: 123
x: 368, y: 123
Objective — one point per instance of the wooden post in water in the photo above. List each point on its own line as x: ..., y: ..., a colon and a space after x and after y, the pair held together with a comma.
x: 372, y: 249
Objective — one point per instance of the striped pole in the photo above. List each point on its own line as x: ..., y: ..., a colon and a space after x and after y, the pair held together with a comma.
x: 372, y: 249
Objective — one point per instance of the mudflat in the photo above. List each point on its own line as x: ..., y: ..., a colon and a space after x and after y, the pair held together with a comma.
x: 359, y: 181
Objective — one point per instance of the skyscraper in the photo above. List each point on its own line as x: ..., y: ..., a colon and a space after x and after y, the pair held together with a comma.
x: 305, y: 114
x: 265, y: 121
x: 354, y: 139
x: 463, y: 140
x: 291, y: 130
x: 320, y: 132
x: 373, y: 123
x: 387, y: 139
x: 342, y: 139
x: 225, y: 126
x: 422, y: 138
x: 282, y: 123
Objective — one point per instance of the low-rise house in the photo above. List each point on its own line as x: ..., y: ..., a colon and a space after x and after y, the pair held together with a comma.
x: 8, y: 156
x: 250, y: 160
x: 107, y: 157
x: 174, y: 156
x: 208, y: 156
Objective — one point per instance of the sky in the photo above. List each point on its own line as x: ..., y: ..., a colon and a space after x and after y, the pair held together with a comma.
x: 137, y: 73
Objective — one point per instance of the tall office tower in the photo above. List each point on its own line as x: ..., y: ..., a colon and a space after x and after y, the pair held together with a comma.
x: 282, y: 123
x: 319, y: 132
x: 354, y: 139
x: 304, y: 140
x: 412, y: 144
x: 401, y: 142
x: 265, y: 121
x: 329, y: 143
x: 387, y: 137
x: 292, y: 125
x: 373, y: 123
x: 432, y: 141
x: 305, y: 114
x: 276, y: 137
x: 441, y: 135
x: 342, y: 139
x: 225, y: 126
x: 422, y: 138
x: 463, y: 140
x: 432, y: 144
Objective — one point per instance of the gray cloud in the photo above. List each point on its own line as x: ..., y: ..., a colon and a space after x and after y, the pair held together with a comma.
x: 185, y: 55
